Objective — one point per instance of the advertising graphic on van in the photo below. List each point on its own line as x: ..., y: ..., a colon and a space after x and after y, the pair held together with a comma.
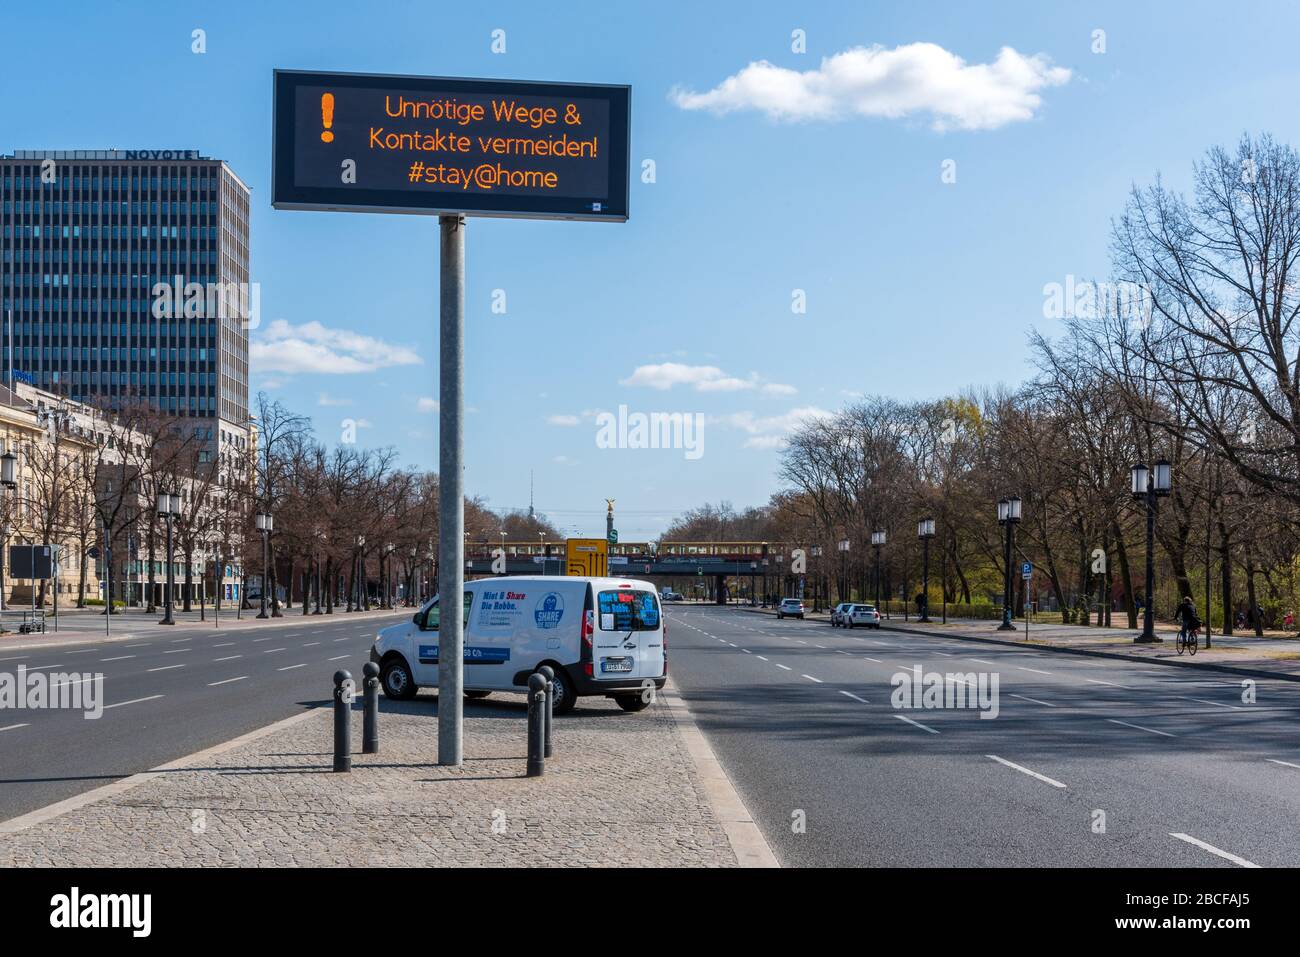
x: 549, y: 610
x: 500, y: 609
x: 473, y: 656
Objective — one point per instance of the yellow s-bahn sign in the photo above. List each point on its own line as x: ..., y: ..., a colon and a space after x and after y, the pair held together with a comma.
x: 587, y: 556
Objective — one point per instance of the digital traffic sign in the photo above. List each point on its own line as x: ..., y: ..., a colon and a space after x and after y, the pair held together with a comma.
x: 407, y: 144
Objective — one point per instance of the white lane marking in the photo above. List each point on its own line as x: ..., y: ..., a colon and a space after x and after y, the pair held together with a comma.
x: 903, y: 717
x: 84, y: 651
x: 118, y: 658
x: 177, y: 641
x: 982, y: 661
x: 291, y: 667
x: 165, y: 668
x: 338, y: 657
x: 1034, y: 670
x: 310, y: 643
x: 1240, y: 861
x: 11, y: 727
x: 226, y: 681
x: 141, y: 645
x: 811, y: 678
x: 261, y: 639
x: 177, y: 651
x: 42, y: 667
x: 270, y: 651
x: 848, y: 694
x: 1034, y: 700
x: 801, y: 641
x: 783, y: 667
x: 876, y: 660
x: 1023, y: 770
x: 62, y: 684
x: 133, y: 700
x: 344, y: 638
x: 943, y: 654
x: 16, y: 658
x: 760, y: 658
x: 228, y: 658
x: 1217, y: 704
x: 1140, y: 728
x: 1098, y: 681
x: 224, y: 644
x: 1273, y: 760
x: 815, y: 645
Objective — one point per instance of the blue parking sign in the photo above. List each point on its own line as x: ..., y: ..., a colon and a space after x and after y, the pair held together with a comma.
x: 1027, y: 570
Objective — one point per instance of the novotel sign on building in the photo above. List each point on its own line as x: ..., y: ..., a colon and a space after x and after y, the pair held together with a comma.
x: 406, y: 144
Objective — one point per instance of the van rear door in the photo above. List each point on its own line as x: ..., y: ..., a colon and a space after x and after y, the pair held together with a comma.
x: 629, y: 639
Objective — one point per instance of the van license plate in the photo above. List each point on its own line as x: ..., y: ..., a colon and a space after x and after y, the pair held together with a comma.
x: 616, y: 664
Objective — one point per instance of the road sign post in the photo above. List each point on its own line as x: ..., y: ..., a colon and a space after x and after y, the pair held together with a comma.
x: 451, y: 147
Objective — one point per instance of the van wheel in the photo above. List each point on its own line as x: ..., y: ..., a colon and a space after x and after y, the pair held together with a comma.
x: 632, y: 702
x: 563, y: 695
x: 398, y: 684
x: 477, y: 694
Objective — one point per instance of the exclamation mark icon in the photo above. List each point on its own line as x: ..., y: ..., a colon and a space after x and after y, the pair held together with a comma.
x: 327, y: 117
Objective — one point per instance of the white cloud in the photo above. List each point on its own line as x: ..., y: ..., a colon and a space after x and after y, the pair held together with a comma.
x: 916, y: 78
x: 665, y: 375
x: 329, y: 400
x: 563, y: 420
x: 426, y: 404
x: 770, y: 432
x: 314, y: 348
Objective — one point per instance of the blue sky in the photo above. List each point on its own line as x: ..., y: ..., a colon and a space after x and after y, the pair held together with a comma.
x: 914, y: 287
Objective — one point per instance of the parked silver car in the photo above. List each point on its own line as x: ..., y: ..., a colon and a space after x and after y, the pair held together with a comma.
x: 863, y: 615
x: 790, y: 608
x: 840, y: 614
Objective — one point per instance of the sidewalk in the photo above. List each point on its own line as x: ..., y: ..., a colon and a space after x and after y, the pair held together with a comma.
x: 1247, y: 655
x: 622, y: 789
x: 87, y: 625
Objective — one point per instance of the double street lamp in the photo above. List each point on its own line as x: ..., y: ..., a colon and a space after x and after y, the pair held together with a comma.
x: 265, y: 525
x: 1008, y: 516
x: 1151, y: 485
x: 9, y: 482
x: 169, y: 508
x: 878, y: 540
x: 925, y: 531
x: 817, y: 555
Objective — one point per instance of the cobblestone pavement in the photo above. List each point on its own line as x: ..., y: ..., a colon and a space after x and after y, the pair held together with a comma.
x: 621, y: 790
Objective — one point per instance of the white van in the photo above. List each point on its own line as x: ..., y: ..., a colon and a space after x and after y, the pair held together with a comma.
x: 602, y: 636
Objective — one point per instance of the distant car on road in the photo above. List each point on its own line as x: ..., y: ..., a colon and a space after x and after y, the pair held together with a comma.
x: 669, y: 595
x: 863, y: 615
x: 840, y: 614
x: 790, y: 608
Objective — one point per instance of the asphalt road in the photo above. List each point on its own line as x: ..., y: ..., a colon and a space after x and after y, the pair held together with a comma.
x: 801, y: 717
x: 167, y: 693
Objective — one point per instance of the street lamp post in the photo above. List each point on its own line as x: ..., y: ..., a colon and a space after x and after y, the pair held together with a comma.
x: 816, y: 554
x: 1008, y: 516
x: 843, y: 546
x: 9, y: 482
x: 169, y: 506
x: 878, y: 539
x: 1151, y: 486
x: 360, y: 587
x: 925, y: 531
x: 265, y: 522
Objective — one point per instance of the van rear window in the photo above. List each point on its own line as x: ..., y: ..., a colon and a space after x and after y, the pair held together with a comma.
x: 626, y: 609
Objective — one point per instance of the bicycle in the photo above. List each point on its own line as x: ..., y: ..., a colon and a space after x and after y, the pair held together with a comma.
x: 1188, y: 638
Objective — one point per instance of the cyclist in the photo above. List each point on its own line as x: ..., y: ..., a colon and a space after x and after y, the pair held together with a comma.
x: 1189, y: 619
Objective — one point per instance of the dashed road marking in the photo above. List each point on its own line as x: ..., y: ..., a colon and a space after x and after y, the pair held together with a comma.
x: 121, y: 704
x: 1239, y: 861
x: 849, y: 694
x: 226, y: 681
x: 291, y: 667
x: 1034, y: 670
x: 811, y: 678
x: 784, y: 667
x: 1024, y: 770
x: 11, y: 727
x: 923, y: 727
x: 1141, y: 728
x: 228, y: 658
x: 1023, y: 697
x: 165, y: 668
x: 118, y: 658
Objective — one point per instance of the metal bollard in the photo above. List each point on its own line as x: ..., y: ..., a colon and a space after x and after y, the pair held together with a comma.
x: 342, y: 721
x: 549, y: 715
x: 370, y: 717
x: 536, y: 722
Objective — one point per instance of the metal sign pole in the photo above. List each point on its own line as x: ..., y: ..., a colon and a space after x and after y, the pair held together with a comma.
x: 451, y: 495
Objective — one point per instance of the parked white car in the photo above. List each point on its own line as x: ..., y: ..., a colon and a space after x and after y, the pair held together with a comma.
x: 863, y: 615
x: 840, y: 614
x: 602, y: 636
